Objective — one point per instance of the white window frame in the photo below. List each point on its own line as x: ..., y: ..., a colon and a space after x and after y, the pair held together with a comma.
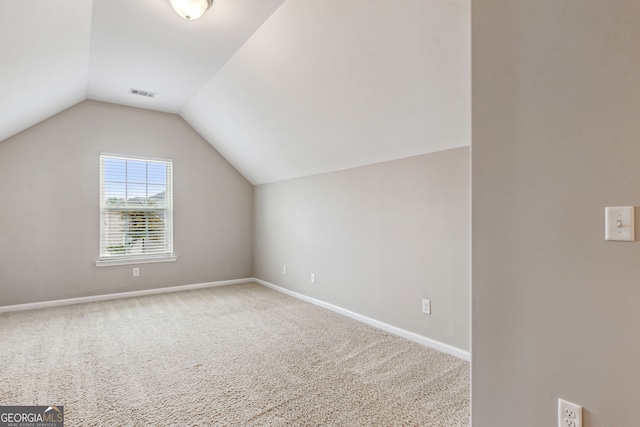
x: 108, y: 259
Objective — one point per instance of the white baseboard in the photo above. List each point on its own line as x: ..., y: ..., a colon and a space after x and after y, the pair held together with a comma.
x: 427, y: 342
x: 95, y: 298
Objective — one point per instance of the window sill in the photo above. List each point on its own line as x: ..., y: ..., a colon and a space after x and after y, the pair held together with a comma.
x: 129, y: 261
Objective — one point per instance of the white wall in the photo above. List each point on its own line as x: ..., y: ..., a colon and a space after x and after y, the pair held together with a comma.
x: 379, y: 239
x: 49, y: 220
x: 556, y: 139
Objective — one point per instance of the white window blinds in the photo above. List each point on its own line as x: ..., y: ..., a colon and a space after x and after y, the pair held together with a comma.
x: 136, y: 208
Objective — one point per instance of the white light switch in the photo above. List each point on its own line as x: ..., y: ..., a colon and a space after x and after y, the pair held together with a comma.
x: 619, y: 223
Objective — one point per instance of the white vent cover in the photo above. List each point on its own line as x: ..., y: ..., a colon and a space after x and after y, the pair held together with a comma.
x: 145, y: 93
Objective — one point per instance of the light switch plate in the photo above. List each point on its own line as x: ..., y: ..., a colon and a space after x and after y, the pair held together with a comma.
x: 619, y: 223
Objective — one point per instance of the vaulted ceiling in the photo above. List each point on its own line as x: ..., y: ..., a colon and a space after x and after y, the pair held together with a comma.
x: 281, y: 88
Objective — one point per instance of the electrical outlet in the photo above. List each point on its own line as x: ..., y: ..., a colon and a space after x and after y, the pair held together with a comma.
x: 569, y: 414
x: 136, y: 271
x: 313, y: 277
x: 426, y: 306
x: 284, y: 270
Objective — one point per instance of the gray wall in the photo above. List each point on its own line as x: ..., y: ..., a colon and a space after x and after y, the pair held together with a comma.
x: 49, y: 220
x: 556, y: 139
x: 379, y: 239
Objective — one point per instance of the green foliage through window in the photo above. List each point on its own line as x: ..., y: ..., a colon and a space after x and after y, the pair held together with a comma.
x: 136, y: 207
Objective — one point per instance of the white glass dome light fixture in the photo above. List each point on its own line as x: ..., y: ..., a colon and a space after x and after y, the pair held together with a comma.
x: 190, y: 9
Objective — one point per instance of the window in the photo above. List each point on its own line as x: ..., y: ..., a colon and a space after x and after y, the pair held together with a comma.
x: 136, y: 210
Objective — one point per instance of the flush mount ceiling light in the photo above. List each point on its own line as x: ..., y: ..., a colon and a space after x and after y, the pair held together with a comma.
x: 190, y: 9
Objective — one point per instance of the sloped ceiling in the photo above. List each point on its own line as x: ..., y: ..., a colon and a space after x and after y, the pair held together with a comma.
x: 44, y: 60
x: 281, y: 88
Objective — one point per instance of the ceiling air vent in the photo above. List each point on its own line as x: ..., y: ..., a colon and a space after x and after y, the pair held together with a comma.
x: 145, y: 93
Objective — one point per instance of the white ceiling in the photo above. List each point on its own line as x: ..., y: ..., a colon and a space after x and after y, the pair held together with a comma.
x: 281, y: 88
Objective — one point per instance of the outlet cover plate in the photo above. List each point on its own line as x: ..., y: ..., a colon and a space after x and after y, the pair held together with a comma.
x: 569, y: 414
x: 426, y: 306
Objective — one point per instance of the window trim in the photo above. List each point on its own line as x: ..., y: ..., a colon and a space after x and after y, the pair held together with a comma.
x: 134, y: 259
x: 128, y: 261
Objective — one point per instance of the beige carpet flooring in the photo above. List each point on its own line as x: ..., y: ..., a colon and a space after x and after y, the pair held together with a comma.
x: 240, y: 355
